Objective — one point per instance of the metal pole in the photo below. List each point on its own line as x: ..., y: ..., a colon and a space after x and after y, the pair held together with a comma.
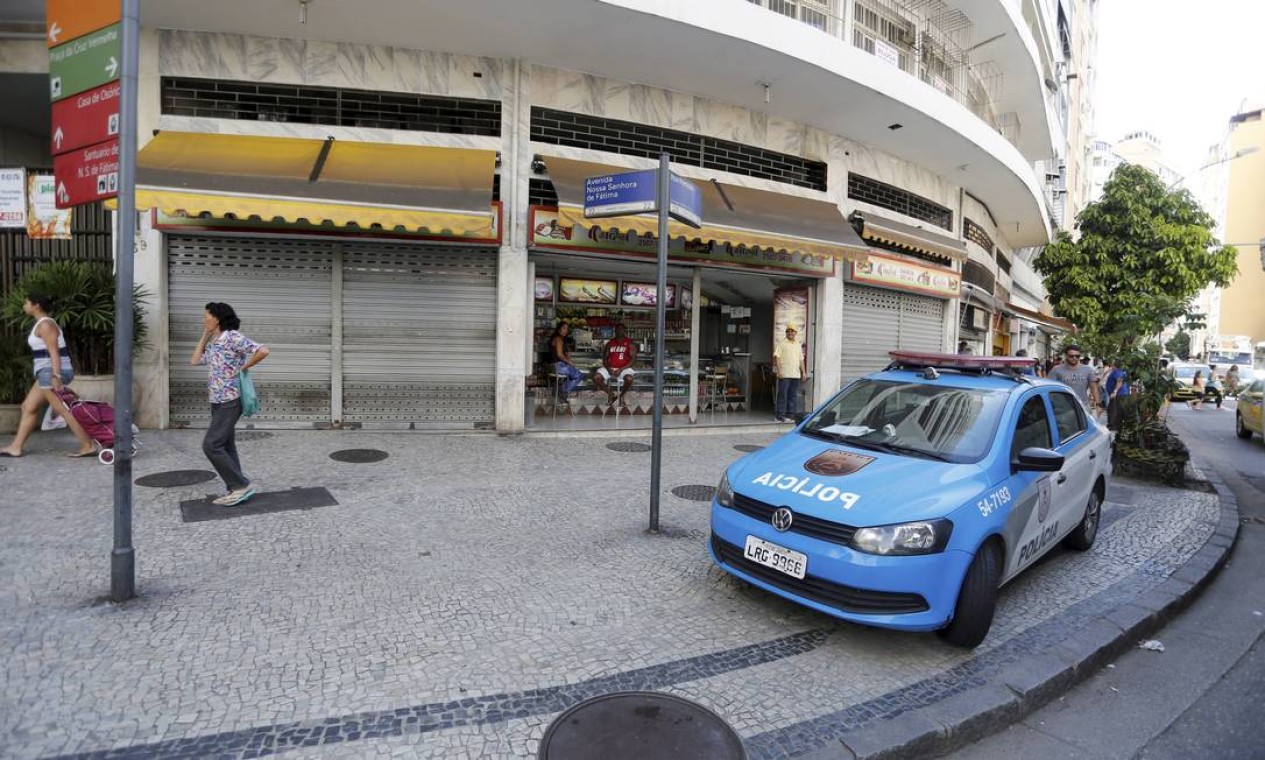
x: 660, y: 316
x: 123, y: 558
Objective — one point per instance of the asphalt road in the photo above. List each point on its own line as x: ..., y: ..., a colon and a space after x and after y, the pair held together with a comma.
x: 1202, y: 696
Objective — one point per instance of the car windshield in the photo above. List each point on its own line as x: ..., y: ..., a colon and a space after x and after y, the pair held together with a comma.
x: 912, y: 418
x: 1187, y: 372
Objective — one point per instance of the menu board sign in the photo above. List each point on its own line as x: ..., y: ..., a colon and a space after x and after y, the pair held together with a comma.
x: 12, y: 197
x: 888, y: 272
x: 687, y: 299
x: 587, y: 291
x: 645, y: 294
x: 43, y: 219
x: 543, y: 289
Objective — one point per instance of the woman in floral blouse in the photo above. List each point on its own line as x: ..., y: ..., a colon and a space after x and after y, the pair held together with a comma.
x: 227, y: 353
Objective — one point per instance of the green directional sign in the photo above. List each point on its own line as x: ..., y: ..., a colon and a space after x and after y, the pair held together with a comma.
x: 85, y: 62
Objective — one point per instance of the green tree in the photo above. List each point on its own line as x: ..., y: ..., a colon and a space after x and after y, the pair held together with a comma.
x: 1179, y: 345
x: 1142, y: 255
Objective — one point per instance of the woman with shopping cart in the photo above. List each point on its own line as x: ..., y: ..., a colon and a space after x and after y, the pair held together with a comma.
x: 52, y: 373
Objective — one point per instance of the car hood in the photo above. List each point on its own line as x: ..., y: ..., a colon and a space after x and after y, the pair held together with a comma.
x: 852, y: 485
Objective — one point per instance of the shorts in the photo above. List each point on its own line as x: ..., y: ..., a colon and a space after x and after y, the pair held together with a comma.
x: 625, y: 372
x: 44, y: 376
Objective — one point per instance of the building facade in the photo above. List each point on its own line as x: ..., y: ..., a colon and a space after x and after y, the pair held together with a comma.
x: 393, y: 201
x: 1242, y: 311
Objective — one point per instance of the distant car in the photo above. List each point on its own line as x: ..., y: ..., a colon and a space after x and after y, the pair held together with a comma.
x: 1248, y: 417
x: 1184, y: 383
x: 914, y: 493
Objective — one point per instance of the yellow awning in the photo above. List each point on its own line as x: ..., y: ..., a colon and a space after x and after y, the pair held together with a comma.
x: 751, y: 218
x: 444, y: 191
x: 911, y: 238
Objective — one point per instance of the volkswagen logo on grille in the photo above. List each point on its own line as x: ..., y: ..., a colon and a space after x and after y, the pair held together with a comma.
x: 782, y: 519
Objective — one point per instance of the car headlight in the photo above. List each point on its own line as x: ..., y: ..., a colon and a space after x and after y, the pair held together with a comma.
x: 724, y: 492
x: 922, y: 537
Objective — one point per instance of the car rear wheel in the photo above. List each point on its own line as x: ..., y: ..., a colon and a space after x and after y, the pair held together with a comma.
x: 1082, y: 536
x: 977, y: 601
x: 1240, y: 429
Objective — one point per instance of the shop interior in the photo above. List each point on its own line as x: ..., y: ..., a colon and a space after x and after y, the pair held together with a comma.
x: 735, y: 340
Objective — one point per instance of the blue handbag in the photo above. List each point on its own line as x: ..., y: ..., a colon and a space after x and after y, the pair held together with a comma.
x: 250, y: 399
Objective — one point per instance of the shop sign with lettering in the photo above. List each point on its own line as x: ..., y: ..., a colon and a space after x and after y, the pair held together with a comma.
x: 548, y: 230
x: 889, y: 272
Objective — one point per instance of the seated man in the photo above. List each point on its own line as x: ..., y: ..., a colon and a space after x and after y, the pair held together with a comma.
x: 617, y: 360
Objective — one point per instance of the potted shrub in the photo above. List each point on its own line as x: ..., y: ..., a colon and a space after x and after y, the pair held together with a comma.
x: 83, y: 305
x: 1144, y: 445
x: 16, y: 379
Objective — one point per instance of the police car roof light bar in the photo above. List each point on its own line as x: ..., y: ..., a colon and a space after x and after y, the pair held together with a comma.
x: 961, y: 362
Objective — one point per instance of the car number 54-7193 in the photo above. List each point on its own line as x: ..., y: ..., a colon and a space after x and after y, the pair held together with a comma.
x: 777, y: 557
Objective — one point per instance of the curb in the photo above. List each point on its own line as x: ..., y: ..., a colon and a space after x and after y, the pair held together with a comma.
x: 1027, y: 685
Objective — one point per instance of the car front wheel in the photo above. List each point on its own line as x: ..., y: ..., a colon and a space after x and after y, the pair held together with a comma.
x: 977, y: 601
x: 1082, y: 536
x: 1240, y: 429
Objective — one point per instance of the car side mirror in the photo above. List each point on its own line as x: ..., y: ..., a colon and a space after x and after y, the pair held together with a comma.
x: 1037, y: 459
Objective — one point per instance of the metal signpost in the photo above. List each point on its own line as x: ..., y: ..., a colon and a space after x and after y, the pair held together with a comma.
x: 93, y: 44
x: 671, y: 197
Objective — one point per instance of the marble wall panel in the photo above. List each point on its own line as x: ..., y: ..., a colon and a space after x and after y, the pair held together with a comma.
x: 321, y: 65
x: 262, y: 54
x: 682, y: 105
x: 650, y: 105
x: 190, y: 54
x: 462, y: 82
x: 435, y: 73
x: 289, y: 61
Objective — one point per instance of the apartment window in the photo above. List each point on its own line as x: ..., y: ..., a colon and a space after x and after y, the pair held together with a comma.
x: 887, y: 196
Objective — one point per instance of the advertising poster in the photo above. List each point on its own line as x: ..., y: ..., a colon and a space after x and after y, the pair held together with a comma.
x: 543, y: 289
x: 790, y: 309
x: 687, y: 299
x: 587, y: 291
x: 13, y: 198
x: 645, y: 294
x: 43, y: 219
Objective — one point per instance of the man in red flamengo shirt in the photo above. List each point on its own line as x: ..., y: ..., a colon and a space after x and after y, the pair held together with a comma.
x: 617, y: 361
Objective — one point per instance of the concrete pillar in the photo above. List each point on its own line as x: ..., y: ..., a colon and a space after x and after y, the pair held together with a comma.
x: 827, y: 364
x: 514, y: 314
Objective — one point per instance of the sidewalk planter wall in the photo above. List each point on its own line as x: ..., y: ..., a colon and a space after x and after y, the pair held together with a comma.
x: 1153, y: 452
x: 9, y: 416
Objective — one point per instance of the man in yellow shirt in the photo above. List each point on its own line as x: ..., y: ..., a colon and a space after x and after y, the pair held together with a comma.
x: 791, y: 368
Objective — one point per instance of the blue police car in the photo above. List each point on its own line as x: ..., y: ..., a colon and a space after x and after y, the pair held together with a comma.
x: 911, y: 496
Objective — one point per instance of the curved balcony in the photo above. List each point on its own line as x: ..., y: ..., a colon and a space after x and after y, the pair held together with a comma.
x: 728, y: 50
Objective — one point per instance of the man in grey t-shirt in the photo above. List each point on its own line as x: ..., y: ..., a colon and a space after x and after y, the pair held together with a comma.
x: 1080, y: 378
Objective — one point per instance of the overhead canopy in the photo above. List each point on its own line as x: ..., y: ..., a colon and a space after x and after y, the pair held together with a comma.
x: 757, y: 219
x: 1045, y: 320
x: 418, y: 188
x: 909, y: 237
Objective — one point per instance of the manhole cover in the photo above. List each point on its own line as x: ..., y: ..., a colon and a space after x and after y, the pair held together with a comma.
x: 359, y: 456
x: 748, y: 447
x: 695, y: 493
x: 639, y: 725
x: 175, y: 478
x: 628, y: 446
x: 253, y: 435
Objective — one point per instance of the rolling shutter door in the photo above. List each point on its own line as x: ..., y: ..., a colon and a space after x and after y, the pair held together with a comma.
x: 876, y: 321
x: 281, y: 291
x: 871, y: 328
x: 419, y: 335
x: 921, y: 323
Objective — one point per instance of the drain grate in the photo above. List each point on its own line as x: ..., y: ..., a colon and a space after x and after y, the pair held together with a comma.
x: 253, y: 435
x: 359, y: 456
x: 628, y: 446
x: 175, y: 478
x: 748, y: 447
x: 695, y: 493
x: 639, y: 725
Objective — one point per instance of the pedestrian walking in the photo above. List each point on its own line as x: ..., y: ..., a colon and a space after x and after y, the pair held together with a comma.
x: 791, y: 368
x: 53, y: 372
x: 226, y: 353
x: 1081, y: 379
x: 1119, y: 396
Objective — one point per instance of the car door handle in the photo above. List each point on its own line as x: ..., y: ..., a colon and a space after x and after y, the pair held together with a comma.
x: 1062, y: 478
x: 1093, y: 455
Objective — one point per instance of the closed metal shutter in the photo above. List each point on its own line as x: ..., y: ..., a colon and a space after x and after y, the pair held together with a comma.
x: 876, y: 321
x: 281, y: 291
x: 419, y: 335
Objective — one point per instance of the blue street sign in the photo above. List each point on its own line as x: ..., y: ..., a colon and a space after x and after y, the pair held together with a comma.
x: 634, y: 193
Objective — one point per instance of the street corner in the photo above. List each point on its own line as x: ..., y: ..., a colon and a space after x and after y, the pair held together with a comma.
x: 448, y: 610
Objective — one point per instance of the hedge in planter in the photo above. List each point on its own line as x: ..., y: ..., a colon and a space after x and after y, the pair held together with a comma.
x: 83, y: 305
